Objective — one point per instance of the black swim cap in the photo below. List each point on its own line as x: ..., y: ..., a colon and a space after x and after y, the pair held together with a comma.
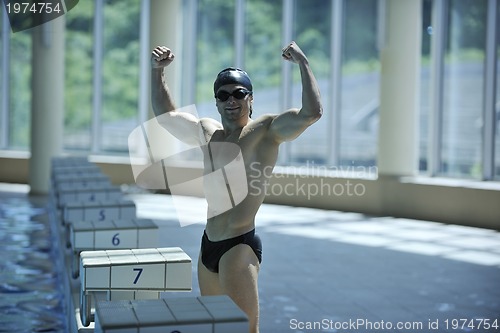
x: 232, y: 75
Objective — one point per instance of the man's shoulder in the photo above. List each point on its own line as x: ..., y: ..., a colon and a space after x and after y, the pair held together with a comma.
x: 264, y: 120
x: 260, y: 126
x: 210, y: 124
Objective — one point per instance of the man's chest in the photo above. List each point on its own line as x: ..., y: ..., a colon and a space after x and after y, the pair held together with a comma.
x: 223, y: 150
x: 241, y: 147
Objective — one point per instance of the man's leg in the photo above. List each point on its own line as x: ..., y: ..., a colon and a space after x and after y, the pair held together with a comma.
x: 208, y: 281
x: 238, y: 273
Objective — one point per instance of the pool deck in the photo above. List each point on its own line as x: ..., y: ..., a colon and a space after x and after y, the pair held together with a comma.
x: 330, y: 271
x: 348, y: 272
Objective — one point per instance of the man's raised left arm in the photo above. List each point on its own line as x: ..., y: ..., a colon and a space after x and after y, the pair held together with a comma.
x: 290, y: 124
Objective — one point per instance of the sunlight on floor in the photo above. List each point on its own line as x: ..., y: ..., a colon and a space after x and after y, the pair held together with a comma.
x: 467, y: 244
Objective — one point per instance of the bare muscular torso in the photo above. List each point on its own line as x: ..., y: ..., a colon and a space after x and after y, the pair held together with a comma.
x: 259, y: 153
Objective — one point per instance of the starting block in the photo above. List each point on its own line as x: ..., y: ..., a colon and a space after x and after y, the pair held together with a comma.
x: 84, y: 180
x: 69, y: 192
x: 205, y: 314
x: 82, y: 169
x: 125, y: 272
x: 69, y: 161
x: 107, y: 235
x: 101, y: 210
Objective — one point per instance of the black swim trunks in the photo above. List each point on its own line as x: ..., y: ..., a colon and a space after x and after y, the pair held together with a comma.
x: 211, y: 252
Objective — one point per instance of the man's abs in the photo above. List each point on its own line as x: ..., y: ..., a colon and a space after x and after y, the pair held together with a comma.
x: 234, y: 222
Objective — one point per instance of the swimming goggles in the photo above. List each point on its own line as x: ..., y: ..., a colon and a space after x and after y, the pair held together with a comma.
x: 238, y: 94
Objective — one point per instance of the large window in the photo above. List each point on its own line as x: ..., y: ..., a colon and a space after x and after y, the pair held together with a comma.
x: 78, y: 77
x: 262, y: 57
x: 102, y: 62
x: 312, y: 31
x: 497, y: 104
x: 15, y: 93
x: 214, y: 50
x: 463, y: 89
x: 20, y: 90
x: 459, y: 138
x: 3, y: 127
x: 120, y: 74
x: 351, y: 108
x: 340, y: 39
x: 425, y: 85
x: 360, y: 84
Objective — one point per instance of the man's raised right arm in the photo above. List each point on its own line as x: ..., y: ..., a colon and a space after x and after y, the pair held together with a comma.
x: 184, y: 126
x: 161, y: 98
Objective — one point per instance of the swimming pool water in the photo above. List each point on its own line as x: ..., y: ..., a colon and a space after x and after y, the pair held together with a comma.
x: 31, y: 292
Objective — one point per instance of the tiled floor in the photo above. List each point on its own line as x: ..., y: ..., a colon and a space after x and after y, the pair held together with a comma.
x: 346, y: 272
x: 328, y: 271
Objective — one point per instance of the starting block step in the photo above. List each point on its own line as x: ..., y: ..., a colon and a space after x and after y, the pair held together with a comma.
x: 69, y: 192
x: 83, y: 169
x: 204, y: 314
x: 107, y: 235
x: 113, y: 234
x: 86, y: 179
x: 101, y: 210
x: 152, y: 269
x: 69, y: 161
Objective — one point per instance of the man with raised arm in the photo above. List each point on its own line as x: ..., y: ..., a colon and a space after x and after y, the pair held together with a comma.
x: 231, y: 252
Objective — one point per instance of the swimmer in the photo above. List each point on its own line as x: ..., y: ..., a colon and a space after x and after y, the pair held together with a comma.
x: 231, y: 251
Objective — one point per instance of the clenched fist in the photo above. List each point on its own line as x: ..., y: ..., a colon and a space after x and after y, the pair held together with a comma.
x: 293, y: 53
x: 161, y: 57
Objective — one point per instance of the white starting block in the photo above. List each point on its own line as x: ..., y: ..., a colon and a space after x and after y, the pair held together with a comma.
x: 205, y: 314
x: 83, y: 169
x: 101, y: 210
x: 126, y: 272
x: 107, y: 235
x: 69, y: 161
x: 69, y: 192
x: 71, y: 180
x: 84, y: 180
